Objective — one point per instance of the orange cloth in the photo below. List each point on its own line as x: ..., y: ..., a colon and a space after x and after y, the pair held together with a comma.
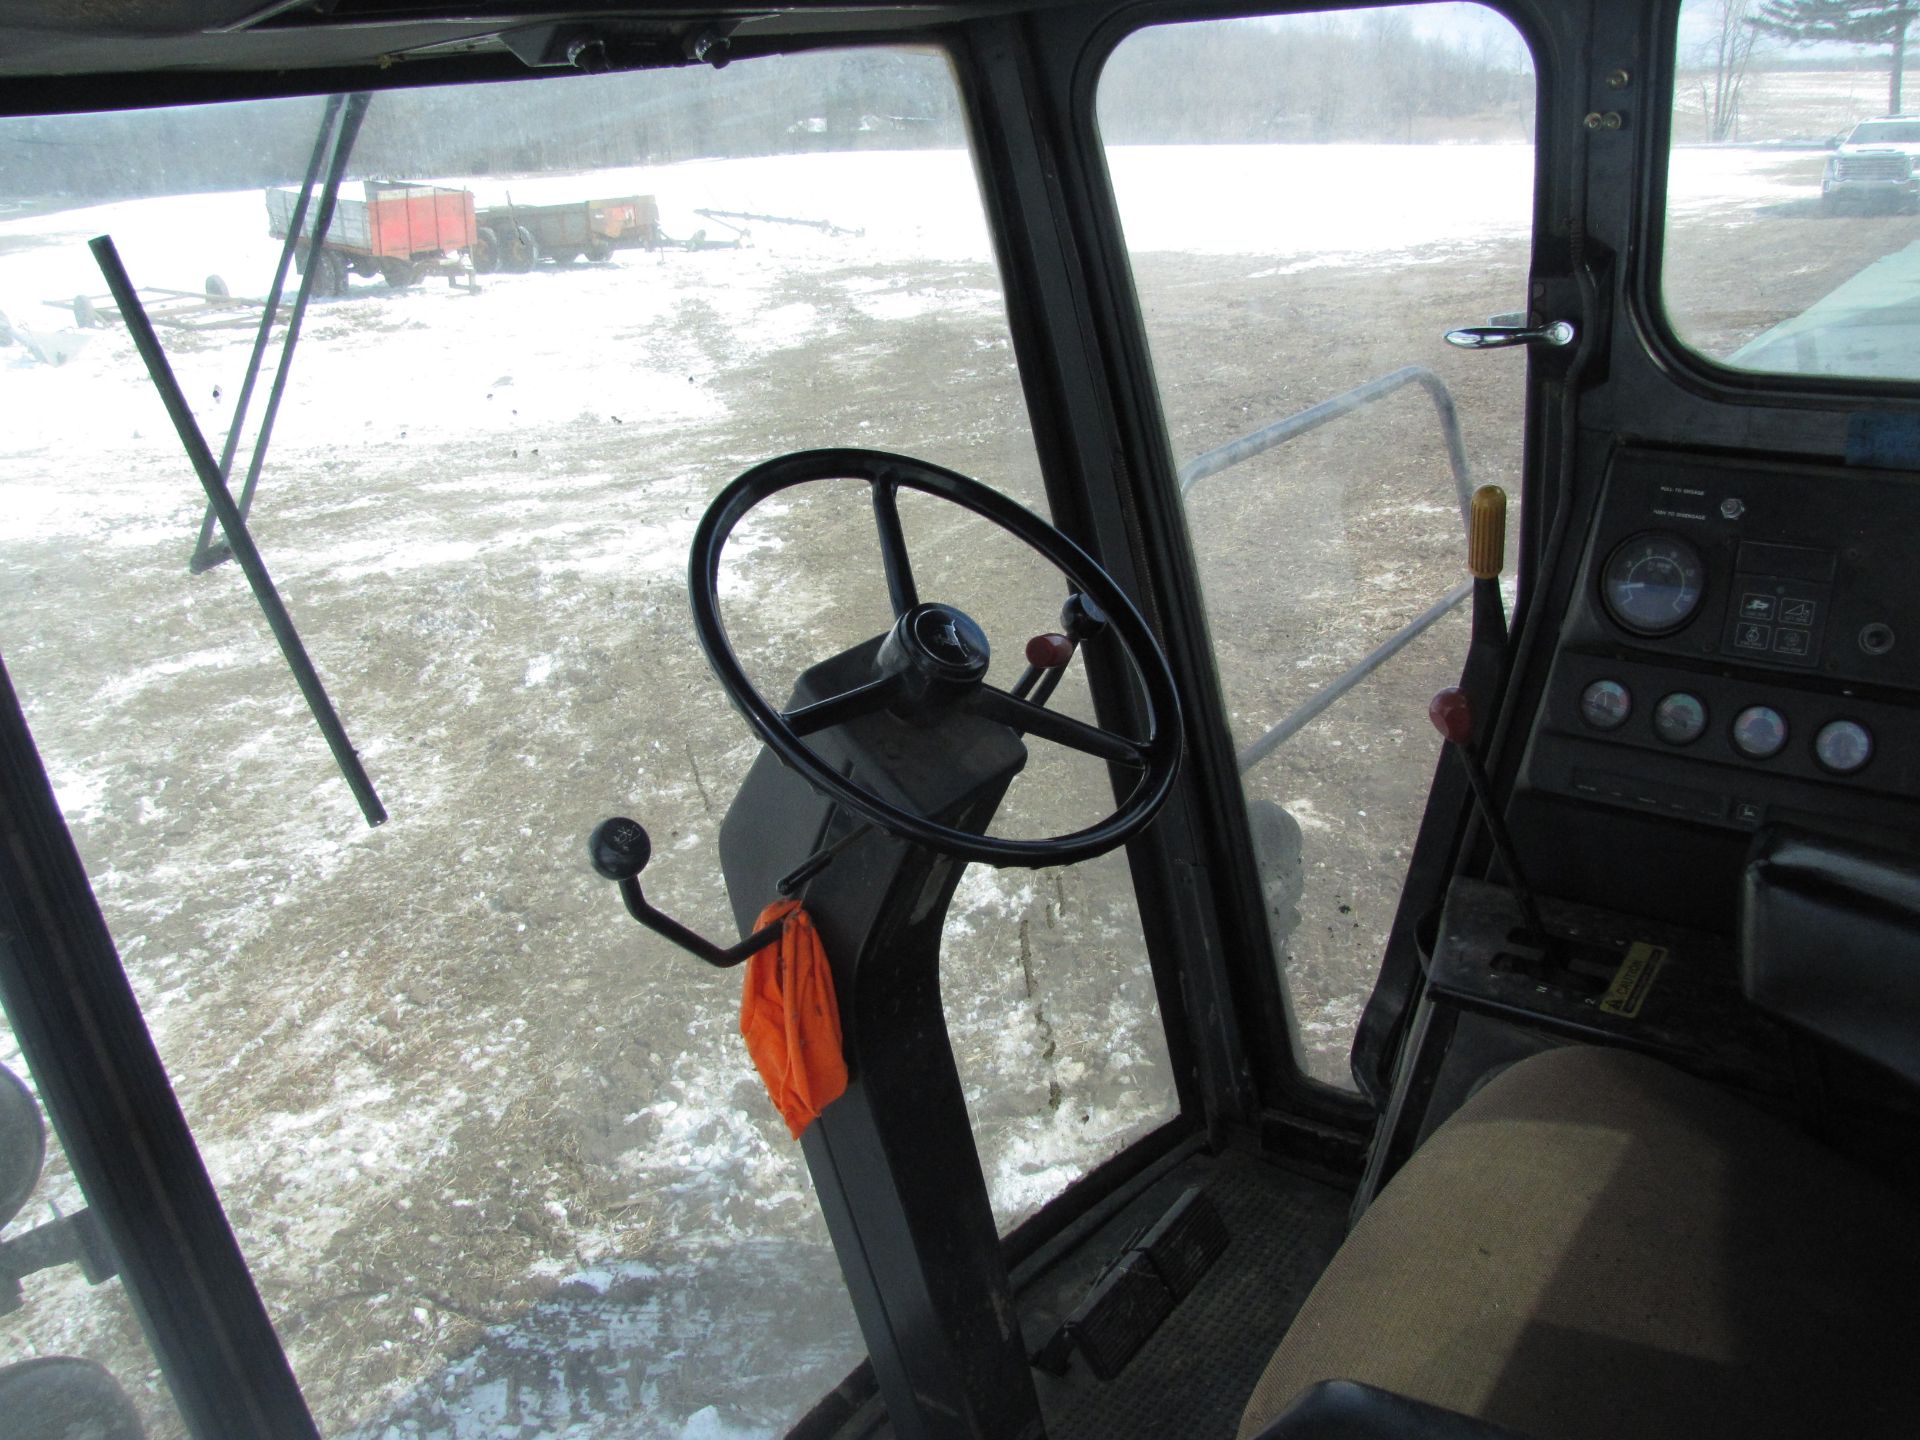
x: 791, y: 1019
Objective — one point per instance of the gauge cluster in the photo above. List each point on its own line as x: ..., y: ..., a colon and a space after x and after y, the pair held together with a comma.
x: 1744, y: 642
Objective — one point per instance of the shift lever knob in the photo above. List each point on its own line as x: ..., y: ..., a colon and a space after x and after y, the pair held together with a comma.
x: 620, y: 848
x: 1452, y: 715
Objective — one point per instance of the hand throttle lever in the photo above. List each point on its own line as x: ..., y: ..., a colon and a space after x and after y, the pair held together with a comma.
x: 620, y: 849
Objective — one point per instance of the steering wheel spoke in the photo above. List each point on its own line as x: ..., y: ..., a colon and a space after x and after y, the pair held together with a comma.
x: 838, y: 709
x: 893, y: 547
x: 1031, y: 719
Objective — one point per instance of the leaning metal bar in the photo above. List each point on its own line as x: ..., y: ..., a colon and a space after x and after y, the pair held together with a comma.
x: 205, y: 557
x: 1294, y: 426
x: 1306, y: 714
x: 244, y: 550
x: 1312, y: 418
x: 356, y: 110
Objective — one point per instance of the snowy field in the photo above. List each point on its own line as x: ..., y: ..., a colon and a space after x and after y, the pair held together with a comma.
x: 480, y: 1137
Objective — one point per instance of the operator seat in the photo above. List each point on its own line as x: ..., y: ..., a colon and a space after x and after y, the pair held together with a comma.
x: 1596, y: 1246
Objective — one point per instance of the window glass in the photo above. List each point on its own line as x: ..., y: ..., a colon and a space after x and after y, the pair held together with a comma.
x: 495, y: 1154
x: 71, y: 1347
x: 1792, y: 190
x: 1310, y: 202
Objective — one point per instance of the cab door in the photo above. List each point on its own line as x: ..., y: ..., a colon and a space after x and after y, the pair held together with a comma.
x: 1307, y: 205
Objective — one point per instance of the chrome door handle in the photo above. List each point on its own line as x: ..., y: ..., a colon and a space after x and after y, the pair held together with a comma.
x: 1494, y: 337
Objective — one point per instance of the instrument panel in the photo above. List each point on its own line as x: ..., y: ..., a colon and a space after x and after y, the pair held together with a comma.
x: 1744, y: 642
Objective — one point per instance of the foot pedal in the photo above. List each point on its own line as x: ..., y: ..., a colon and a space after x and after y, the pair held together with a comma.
x: 1133, y: 1295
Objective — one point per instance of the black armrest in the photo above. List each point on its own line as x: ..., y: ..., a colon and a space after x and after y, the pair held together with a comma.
x: 1348, y: 1410
x: 1830, y: 942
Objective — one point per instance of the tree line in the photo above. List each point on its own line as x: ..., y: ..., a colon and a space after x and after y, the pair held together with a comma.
x: 1312, y: 79
x: 1305, y: 79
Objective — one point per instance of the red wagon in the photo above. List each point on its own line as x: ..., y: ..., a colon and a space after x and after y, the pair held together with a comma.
x: 397, y: 231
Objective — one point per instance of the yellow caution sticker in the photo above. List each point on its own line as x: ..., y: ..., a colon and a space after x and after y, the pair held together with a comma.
x: 1633, y: 981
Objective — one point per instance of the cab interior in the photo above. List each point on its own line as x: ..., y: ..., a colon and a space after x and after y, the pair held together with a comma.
x: 1312, y: 601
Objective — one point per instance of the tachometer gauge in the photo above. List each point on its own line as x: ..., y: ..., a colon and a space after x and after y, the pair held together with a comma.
x: 1653, y: 583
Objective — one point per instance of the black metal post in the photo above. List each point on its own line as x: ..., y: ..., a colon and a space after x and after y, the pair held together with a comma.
x: 205, y: 557
x: 244, y: 550
x: 106, y: 1091
x: 893, y: 1160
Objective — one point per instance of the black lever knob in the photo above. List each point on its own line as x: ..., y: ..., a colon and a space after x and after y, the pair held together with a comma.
x: 620, y: 848
x: 1082, y: 619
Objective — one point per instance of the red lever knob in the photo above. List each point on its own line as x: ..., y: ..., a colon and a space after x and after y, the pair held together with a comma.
x: 1049, y: 652
x: 1452, y: 715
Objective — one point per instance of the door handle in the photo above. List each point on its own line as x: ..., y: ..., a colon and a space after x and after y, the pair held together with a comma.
x: 1494, y: 337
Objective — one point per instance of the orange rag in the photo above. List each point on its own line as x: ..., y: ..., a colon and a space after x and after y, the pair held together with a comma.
x: 791, y: 1020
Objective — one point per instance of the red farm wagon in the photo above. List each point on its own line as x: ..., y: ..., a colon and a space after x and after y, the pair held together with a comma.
x: 398, y: 231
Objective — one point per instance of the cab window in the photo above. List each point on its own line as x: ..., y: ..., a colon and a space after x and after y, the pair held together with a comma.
x: 1310, y: 203
x: 493, y: 1152
x: 1792, y: 185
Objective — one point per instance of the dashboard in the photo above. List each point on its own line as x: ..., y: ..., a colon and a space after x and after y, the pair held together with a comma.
x: 1743, y: 645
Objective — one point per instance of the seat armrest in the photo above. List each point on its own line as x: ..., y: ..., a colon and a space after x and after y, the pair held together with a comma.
x: 1830, y: 942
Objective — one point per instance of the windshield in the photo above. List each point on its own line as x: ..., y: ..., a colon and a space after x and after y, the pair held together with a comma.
x: 497, y: 1156
x: 1886, y: 132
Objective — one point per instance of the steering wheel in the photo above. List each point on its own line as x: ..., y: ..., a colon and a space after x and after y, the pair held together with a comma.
x: 934, y: 659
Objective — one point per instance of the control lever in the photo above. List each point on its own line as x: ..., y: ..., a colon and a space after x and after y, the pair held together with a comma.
x: 1452, y: 715
x: 1048, y: 655
x: 620, y: 849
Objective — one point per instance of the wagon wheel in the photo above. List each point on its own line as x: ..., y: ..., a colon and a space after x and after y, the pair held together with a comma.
x: 399, y: 273
x: 485, y: 253
x: 599, y: 248
x: 518, y: 253
x: 333, y: 275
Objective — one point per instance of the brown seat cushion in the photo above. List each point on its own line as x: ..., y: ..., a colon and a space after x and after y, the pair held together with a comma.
x: 1597, y: 1245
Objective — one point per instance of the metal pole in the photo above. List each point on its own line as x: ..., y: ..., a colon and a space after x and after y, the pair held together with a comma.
x: 204, y: 556
x: 244, y: 550
x: 1307, y: 713
x: 1225, y: 457
x: 356, y: 111
x: 1247, y: 446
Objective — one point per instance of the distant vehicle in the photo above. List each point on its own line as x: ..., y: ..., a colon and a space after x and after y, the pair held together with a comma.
x: 517, y: 237
x: 1874, y: 166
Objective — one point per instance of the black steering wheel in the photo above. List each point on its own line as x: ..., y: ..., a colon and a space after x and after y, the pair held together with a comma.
x: 935, y: 658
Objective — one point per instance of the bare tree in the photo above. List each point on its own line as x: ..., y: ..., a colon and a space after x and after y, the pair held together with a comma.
x: 1725, y: 56
x: 1873, y: 23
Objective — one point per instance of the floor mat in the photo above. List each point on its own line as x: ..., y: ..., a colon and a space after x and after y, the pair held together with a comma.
x: 1192, y: 1377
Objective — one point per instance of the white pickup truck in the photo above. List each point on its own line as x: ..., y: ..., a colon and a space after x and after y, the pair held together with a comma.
x: 1874, y: 166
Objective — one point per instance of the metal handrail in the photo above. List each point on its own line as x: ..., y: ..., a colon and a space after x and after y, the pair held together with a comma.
x: 1225, y: 457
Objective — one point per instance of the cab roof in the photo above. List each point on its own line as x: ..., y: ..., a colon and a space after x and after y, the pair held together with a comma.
x: 103, y: 54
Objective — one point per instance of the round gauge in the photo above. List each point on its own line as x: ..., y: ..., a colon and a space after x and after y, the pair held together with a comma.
x: 1680, y: 719
x: 1653, y: 583
x: 1759, y: 732
x: 1843, y: 746
x: 1606, y: 704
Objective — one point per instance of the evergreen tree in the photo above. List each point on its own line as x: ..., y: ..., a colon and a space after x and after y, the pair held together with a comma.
x: 1852, y: 22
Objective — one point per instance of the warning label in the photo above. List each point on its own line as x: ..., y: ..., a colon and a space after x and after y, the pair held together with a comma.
x: 1633, y: 981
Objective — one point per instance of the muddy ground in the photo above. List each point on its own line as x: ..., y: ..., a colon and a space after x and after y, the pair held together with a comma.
x: 461, y: 1111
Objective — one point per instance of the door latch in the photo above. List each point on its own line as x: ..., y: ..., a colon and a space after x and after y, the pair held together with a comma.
x: 1493, y: 337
